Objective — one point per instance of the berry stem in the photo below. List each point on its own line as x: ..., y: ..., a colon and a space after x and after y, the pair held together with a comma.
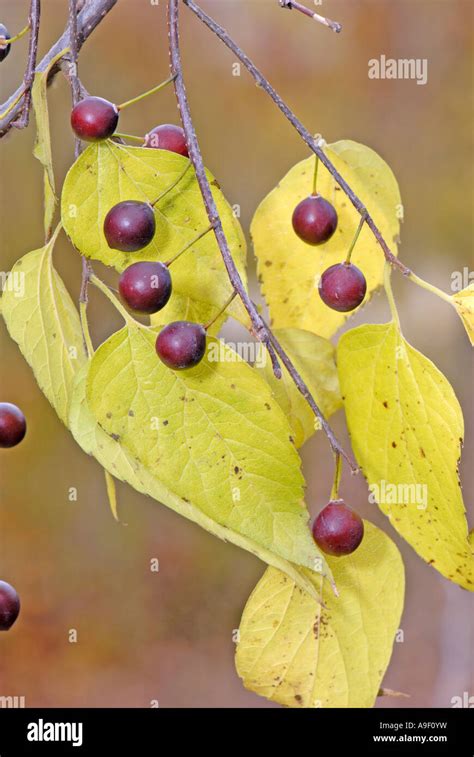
x: 315, y: 175
x: 430, y: 288
x: 4, y: 41
x: 337, y: 477
x: 208, y: 325
x: 172, y: 186
x: 190, y: 244
x: 294, y: 4
x: 113, y: 299
x: 363, y: 219
x: 146, y: 94
x: 132, y: 137
x: 388, y: 290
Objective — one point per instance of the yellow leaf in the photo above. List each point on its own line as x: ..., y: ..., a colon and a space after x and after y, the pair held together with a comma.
x: 121, y: 464
x: 406, y: 427
x: 289, y: 269
x: 296, y: 652
x: 42, y: 148
x: 213, y: 435
x: 45, y: 324
x: 313, y: 357
x: 463, y: 301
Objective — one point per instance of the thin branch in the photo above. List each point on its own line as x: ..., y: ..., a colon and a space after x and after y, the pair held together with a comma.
x: 294, y: 4
x: 34, y: 24
x: 88, y: 19
x: 259, y: 327
x: 302, y: 131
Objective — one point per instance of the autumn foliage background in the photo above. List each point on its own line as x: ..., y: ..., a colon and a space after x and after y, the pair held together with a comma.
x: 168, y: 635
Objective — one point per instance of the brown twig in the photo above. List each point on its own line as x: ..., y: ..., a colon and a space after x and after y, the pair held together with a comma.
x: 88, y: 19
x: 302, y: 131
x: 294, y: 4
x: 259, y: 327
x: 34, y: 23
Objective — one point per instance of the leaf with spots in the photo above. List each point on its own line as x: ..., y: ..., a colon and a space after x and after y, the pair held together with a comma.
x: 119, y: 463
x: 406, y: 427
x: 313, y: 357
x: 289, y: 269
x: 107, y: 173
x: 212, y: 435
x: 299, y: 653
x: 41, y: 317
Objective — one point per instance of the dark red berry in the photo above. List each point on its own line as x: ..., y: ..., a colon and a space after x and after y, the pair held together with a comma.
x: 338, y: 530
x: 12, y: 425
x: 4, y: 49
x: 314, y: 220
x: 94, y: 118
x: 167, y: 137
x: 342, y: 287
x: 9, y: 606
x: 181, y: 344
x: 146, y: 287
x: 129, y: 226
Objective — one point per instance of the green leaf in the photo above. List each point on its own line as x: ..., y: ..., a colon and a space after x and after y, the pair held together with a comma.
x: 299, y: 653
x: 290, y: 269
x: 121, y: 464
x: 463, y: 301
x: 42, y: 147
x: 45, y: 324
x: 406, y: 427
x: 212, y: 435
x: 107, y: 173
x: 313, y: 357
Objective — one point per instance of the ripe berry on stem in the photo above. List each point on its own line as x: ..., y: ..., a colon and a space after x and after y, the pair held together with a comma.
x: 94, y: 119
x: 342, y: 287
x: 129, y: 226
x: 314, y: 220
x: 4, y: 48
x: 146, y: 286
x: 9, y: 606
x: 181, y: 344
x: 338, y: 530
x: 167, y: 137
x: 12, y: 425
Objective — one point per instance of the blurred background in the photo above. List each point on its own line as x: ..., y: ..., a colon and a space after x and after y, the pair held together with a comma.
x: 167, y: 636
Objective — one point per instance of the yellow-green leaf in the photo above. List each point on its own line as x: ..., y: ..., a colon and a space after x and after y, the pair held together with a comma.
x: 299, y: 653
x: 107, y: 173
x: 121, y: 464
x: 44, y: 322
x: 406, y: 427
x: 313, y: 357
x: 289, y: 269
x: 212, y: 435
x: 463, y: 301
x: 42, y: 147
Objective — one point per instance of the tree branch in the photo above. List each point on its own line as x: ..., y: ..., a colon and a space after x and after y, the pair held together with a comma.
x: 302, y: 131
x: 259, y: 327
x: 88, y: 19
x: 34, y: 24
x: 294, y: 4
